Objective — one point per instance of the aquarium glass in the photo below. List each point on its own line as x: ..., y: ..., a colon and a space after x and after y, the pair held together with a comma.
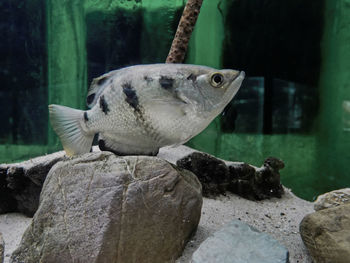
x: 293, y: 105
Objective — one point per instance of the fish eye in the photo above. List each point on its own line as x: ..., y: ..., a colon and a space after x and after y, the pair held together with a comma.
x: 217, y: 79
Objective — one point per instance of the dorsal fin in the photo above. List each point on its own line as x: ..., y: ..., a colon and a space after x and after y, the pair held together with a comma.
x: 97, y: 87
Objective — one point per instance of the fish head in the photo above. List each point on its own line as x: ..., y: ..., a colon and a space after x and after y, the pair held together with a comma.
x: 210, y: 90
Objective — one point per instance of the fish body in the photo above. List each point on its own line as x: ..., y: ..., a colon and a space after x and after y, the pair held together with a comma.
x: 138, y: 109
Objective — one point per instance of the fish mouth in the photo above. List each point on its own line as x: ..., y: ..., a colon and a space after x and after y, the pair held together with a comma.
x: 237, y: 79
x: 241, y: 75
x: 234, y: 85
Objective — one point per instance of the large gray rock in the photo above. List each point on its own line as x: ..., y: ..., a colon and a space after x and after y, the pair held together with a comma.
x: 238, y: 242
x: 104, y: 208
x: 21, y: 183
x: 2, y: 248
x: 332, y: 199
x: 326, y: 234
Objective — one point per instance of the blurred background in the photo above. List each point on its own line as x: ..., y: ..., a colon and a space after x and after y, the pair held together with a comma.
x: 294, y: 103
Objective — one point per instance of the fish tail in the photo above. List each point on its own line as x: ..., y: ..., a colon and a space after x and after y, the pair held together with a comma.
x: 66, y: 122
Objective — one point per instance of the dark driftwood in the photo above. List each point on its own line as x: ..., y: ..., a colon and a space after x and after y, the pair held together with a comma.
x: 243, y: 179
x: 184, y: 30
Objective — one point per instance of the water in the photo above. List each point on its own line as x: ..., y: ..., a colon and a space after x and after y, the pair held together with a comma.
x: 294, y: 104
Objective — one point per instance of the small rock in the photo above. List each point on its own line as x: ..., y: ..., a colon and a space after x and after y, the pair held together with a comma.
x: 267, y: 215
x: 104, y: 208
x: 2, y: 248
x: 238, y: 242
x: 332, y: 199
x: 326, y: 234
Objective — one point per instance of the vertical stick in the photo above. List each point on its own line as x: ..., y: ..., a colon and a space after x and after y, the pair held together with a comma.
x: 184, y: 30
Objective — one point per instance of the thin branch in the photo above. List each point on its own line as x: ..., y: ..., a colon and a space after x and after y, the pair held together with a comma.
x: 184, y: 30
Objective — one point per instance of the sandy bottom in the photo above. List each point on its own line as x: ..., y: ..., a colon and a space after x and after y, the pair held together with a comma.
x: 279, y: 217
x: 12, y: 227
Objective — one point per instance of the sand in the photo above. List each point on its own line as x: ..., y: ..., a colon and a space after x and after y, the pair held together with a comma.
x: 12, y: 227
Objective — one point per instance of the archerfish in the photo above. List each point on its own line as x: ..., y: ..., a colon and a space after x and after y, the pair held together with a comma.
x: 138, y: 109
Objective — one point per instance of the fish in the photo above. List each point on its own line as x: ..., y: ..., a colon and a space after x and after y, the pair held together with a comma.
x: 138, y: 109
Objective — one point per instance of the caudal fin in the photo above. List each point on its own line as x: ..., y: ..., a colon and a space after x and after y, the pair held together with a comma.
x: 66, y: 122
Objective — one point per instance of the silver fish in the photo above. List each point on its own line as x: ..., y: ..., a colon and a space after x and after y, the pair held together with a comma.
x: 136, y: 110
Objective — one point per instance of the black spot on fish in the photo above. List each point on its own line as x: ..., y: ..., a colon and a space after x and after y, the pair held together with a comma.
x: 102, y: 80
x: 166, y: 82
x: 131, y: 97
x: 103, y: 104
x: 86, y: 116
x: 192, y: 77
x: 90, y: 98
x: 148, y: 79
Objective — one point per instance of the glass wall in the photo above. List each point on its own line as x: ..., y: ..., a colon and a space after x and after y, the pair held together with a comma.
x: 23, y: 90
x: 294, y: 103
